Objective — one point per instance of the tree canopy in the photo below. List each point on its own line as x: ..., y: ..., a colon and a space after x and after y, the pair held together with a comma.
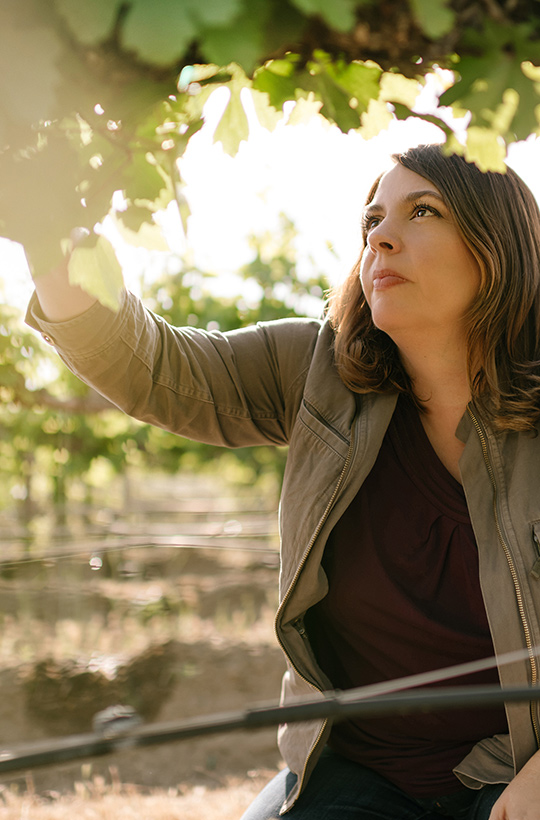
x: 98, y: 96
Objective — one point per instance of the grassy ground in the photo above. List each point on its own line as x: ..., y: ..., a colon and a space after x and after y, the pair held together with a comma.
x: 95, y: 801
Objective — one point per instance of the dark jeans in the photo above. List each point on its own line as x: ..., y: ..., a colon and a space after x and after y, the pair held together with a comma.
x: 342, y: 790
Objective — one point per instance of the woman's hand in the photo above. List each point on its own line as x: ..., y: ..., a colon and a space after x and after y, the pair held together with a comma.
x: 521, y: 798
x: 39, y: 198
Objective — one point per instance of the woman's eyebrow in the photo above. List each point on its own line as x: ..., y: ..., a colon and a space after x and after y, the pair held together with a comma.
x: 373, y: 207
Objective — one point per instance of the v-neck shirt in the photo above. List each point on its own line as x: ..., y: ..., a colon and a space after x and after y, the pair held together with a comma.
x: 405, y: 598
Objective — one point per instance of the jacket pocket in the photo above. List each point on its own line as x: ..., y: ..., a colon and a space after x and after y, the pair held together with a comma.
x: 312, y: 421
x: 535, y: 570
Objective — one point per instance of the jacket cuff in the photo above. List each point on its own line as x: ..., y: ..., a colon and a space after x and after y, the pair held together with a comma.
x: 82, y: 335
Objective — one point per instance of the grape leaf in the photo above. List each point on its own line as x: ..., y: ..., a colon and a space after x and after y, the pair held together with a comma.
x: 159, y: 32
x: 360, y: 80
x: 345, y: 89
x: 375, y: 119
x: 89, y: 22
x: 433, y: 16
x: 147, y: 235
x: 277, y: 79
x: 304, y: 110
x: 266, y: 113
x: 143, y: 179
x: 233, y: 126
x: 501, y: 117
x: 495, y: 68
x: 398, y: 89
x: 29, y: 75
x: 338, y: 13
x: 132, y: 218
x: 217, y: 12
x: 336, y: 102
x: 242, y: 43
x: 94, y: 267
x: 483, y: 146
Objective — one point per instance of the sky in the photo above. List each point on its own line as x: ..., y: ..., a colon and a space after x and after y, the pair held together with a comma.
x: 312, y: 173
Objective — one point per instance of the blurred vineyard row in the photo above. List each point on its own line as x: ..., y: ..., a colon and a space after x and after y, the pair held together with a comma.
x: 61, y: 442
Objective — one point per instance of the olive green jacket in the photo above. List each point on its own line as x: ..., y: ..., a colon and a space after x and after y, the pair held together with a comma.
x: 277, y: 383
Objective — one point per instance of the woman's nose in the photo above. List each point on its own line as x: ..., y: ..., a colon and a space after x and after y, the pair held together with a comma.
x: 383, y: 237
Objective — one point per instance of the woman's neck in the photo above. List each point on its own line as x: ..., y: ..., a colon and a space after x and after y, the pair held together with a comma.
x: 439, y: 376
x: 440, y: 381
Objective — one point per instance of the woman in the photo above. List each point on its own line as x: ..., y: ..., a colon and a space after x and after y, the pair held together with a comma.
x: 408, y: 512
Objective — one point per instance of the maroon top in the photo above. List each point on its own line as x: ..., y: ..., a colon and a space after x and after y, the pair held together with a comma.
x: 405, y: 598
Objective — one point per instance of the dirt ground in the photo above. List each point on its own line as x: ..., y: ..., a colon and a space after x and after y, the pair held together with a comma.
x: 218, y: 679
x: 174, y: 632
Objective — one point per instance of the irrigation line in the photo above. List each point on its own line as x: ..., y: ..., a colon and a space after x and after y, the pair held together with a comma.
x: 334, y: 705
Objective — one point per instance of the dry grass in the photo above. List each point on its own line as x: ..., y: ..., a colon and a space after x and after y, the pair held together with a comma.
x: 96, y: 801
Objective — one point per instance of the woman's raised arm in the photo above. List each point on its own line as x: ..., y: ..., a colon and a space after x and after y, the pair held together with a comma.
x: 59, y: 300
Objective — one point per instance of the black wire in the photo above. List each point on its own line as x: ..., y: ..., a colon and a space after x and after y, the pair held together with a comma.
x: 334, y: 705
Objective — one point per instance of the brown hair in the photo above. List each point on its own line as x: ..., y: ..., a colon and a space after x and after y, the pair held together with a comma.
x: 499, y: 220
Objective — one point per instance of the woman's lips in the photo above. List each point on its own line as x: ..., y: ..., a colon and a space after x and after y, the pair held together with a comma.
x: 387, y: 279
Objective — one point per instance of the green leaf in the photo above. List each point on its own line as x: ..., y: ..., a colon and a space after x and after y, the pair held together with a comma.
x: 284, y: 24
x: 336, y: 103
x: 501, y: 117
x: 532, y: 72
x: 277, y: 79
x: 339, y: 14
x: 147, y: 235
x: 184, y: 210
x: 143, y: 179
x: 304, y: 110
x: 233, y: 126
x: 396, y: 88
x: 160, y: 31
x: 132, y: 219
x: 29, y: 74
x: 433, y: 16
x: 241, y: 43
x: 344, y: 89
x: 484, y: 147
x: 283, y: 68
x: 485, y: 79
x: 375, y: 119
x: 267, y: 115
x: 261, y: 28
x: 94, y: 267
x: 359, y: 80
x: 89, y: 22
x: 217, y: 12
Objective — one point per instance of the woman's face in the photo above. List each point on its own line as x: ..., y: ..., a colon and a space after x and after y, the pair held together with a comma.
x: 417, y: 273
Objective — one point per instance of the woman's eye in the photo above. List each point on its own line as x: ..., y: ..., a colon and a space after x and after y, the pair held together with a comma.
x: 371, y: 223
x: 424, y: 210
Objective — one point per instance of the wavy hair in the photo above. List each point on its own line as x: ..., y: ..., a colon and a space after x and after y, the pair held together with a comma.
x: 499, y: 221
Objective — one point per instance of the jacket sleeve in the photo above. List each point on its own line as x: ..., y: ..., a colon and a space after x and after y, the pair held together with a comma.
x: 233, y: 389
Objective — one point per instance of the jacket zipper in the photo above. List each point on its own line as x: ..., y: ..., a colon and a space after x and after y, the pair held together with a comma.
x: 513, y: 572
x: 298, y: 623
